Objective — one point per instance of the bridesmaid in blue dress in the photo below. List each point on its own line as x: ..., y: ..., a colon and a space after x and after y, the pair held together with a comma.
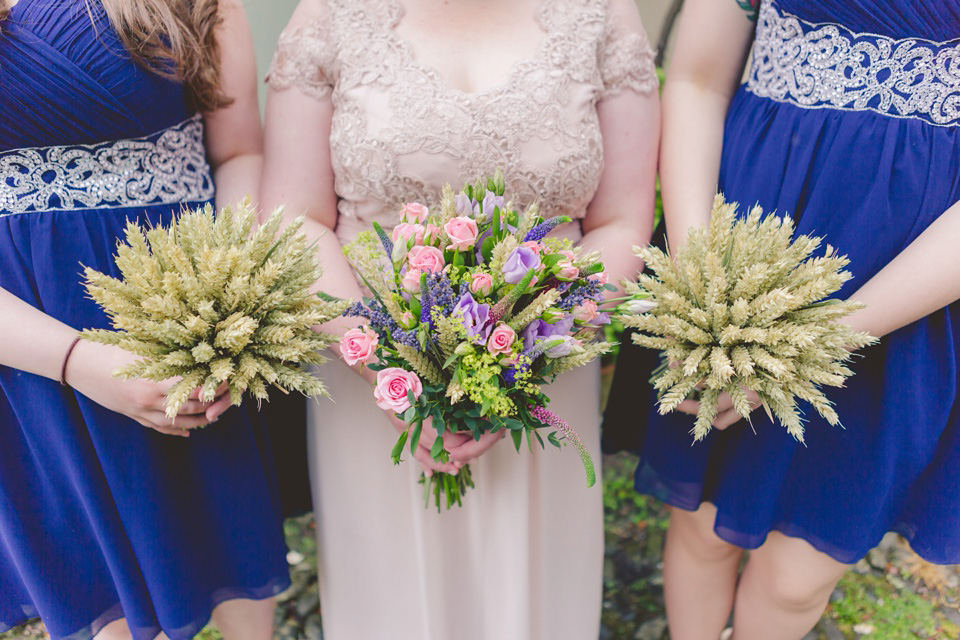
x: 849, y: 121
x: 113, y: 520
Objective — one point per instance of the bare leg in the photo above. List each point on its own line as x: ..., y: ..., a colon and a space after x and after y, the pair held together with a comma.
x: 119, y: 630
x: 700, y: 575
x: 784, y: 590
x: 245, y: 619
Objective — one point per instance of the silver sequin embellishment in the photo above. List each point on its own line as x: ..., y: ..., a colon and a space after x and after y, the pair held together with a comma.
x: 828, y: 66
x: 165, y: 168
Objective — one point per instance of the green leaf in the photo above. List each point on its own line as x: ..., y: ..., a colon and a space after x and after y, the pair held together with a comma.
x: 409, y: 414
x: 552, y: 439
x: 517, y: 439
x: 398, y: 448
x: 415, y: 437
x: 439, y: 424
x: 437, y: 448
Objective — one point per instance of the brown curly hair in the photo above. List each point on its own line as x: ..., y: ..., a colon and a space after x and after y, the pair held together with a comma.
x: 173, y: 38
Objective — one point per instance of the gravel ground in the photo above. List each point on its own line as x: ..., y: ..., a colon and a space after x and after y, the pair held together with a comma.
x: 890, y: 595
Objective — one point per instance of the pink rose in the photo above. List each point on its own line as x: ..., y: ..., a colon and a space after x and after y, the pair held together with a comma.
x: 501, y: 339
x: 393, y: 384
x: 426, y: 259
x: 358, y: 345
x: 407, y: 320
x: 414, y: 213
x: 536, y: 247
x: 481, y: 284
x: 462, y: 231
x: 585, y: 312
x: 404, y: 231
x: 411, y: 281
x: 566, y: 271
x: 600, y: 278
x: 569, y: 255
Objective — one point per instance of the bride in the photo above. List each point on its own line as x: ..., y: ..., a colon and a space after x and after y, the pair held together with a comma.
x: 375, y: 103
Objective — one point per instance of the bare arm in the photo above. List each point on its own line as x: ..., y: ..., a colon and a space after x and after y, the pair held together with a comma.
x: 622, y: 211
x: 922, y: 279
x: 298, y: 175
x: 234, y: 135
x: 713, y: 40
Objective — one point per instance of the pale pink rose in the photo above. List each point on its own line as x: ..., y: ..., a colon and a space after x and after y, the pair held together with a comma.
x: 536, y: 247
x: 566, y: 271
x: 569, y: 255
x: 404, y: 231
x: 426, y: 259
x: 358, y: 345
x: 411, y: 281
x: 393, y: 384
x: 462, y: 231
x: 501, y: 339
x: 600, y: 278
x: 481, y: 284
x: 414, y: 213
x: 585, y: 312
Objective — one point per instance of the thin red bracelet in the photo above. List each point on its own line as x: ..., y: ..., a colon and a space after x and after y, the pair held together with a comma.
x: 66, y: 359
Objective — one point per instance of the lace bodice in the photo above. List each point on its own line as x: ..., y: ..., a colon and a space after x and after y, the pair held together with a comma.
x: 399, y: 132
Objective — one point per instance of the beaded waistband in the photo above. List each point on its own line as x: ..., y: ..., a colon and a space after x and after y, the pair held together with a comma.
x: 167, y: 167
x: 829, y: 66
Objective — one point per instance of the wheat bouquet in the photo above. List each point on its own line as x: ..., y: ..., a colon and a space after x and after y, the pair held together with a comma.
x: 745, y: 305
x: 210, y: 299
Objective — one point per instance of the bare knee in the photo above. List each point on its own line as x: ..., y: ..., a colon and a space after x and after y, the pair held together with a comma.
x: 795, y: 575
x: 116, y: 630
x: 693, y: 530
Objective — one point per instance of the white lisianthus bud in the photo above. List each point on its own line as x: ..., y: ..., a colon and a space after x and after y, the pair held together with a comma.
x: 639, y: 306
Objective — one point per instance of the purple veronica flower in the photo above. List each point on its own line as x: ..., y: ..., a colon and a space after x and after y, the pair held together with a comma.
x: 520, y: 262
x: 476, y: 317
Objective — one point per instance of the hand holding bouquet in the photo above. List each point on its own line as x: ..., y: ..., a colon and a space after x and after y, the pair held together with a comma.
x: 211, y: 301
x: 742, y: 306
x: 473, y: 309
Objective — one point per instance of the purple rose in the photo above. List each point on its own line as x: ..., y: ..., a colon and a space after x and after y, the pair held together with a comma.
x: 540, y: 329
x: 476, y: 317
x: 520, y: 262
x: 601, y: 319
x: 467, y: 206
x: 490, y: 202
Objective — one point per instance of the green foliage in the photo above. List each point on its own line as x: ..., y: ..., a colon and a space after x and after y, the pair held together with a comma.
x: 894, y: 614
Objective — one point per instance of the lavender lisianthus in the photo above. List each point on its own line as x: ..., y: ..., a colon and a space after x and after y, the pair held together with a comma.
x: 476, y: 317
x: 539, y: 329
x: 519, y: 263
x: 568, y: 346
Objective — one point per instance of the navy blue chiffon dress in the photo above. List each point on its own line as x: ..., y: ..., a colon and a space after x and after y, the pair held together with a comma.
x: 849, y: 122
x: 101, y: 518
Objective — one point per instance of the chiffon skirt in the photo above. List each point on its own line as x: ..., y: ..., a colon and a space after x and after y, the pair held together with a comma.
x: 522, y: 559
x: 869, y: 184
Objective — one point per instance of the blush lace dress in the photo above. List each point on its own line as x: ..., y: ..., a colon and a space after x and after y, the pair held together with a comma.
x: 522, y: 559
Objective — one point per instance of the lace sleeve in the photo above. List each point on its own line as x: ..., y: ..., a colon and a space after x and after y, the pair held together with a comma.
x: 305, y: 59
x: 626, y: 59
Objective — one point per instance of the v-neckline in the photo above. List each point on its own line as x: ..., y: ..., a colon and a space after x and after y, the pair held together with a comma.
x: 410, y: 57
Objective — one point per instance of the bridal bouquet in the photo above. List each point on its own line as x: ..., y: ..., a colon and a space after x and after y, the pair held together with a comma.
x: 744, y: 305
x: 210, y: 300
x: 473, y: 309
